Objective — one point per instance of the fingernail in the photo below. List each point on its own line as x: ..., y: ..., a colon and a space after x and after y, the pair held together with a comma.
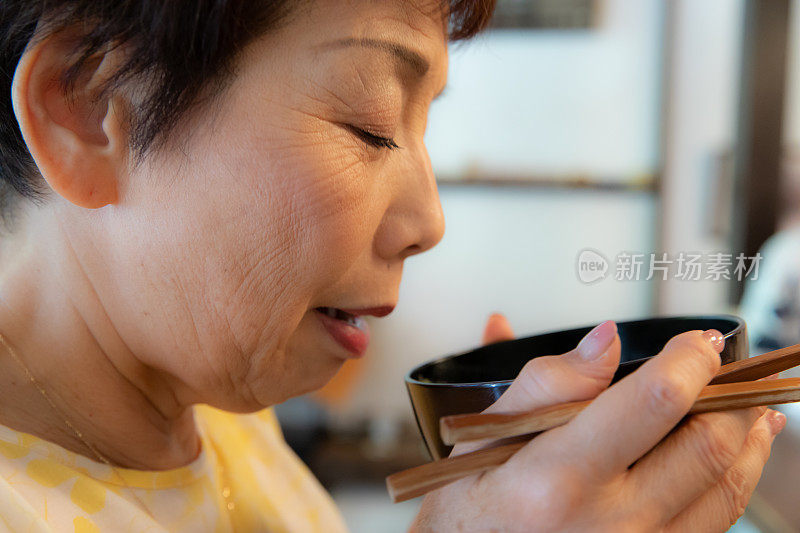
x: 597, y: 341
x: 777, y: 421
x: 715, y: 338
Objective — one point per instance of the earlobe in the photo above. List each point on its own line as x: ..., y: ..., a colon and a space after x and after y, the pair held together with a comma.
x: 77, y: 141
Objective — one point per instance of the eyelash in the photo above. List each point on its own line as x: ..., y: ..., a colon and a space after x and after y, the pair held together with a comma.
x: 374, y: 140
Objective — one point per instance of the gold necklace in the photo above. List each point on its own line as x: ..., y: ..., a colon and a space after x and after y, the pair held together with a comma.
x: 75, y: 430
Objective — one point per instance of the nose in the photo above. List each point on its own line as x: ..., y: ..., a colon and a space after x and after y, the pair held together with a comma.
x: 413, y: 221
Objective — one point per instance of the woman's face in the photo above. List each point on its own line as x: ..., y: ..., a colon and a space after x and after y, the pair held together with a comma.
x: 304, y: 186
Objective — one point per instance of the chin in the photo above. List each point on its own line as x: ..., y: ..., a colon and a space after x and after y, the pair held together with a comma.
x: 308, y: 378
x: 321, y: 377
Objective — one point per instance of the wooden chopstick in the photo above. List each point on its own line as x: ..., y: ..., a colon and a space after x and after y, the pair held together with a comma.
x: 476, y: 426
x: 421, y: 479
x: 760, y: 366
x: 479, y: 426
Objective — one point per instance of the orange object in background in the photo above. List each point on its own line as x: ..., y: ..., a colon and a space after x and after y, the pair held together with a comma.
x: 339, y: 389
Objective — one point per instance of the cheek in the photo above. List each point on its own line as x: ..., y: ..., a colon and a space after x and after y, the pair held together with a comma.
x: 307, y: 190
x: 266, y: 218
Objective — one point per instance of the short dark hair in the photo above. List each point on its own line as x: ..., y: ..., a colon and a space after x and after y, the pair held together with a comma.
x: 184, y: 48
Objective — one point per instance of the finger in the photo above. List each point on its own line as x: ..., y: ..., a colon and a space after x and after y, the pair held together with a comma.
x: 580, y: 374
x: 725, y: 502
x: 628, y: 419
x: 690, y: 461
x: 497, y: 329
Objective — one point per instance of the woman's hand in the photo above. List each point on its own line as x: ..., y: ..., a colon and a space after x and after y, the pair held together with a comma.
x: 579, y: 476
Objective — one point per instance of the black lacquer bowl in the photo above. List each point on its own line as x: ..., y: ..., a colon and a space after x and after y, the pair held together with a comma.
x: 471, y: 381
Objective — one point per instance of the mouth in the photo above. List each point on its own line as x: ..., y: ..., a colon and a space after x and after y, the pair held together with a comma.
x: 348, y: 327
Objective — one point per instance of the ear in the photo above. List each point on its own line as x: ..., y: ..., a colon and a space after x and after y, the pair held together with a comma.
x: 78, y: 142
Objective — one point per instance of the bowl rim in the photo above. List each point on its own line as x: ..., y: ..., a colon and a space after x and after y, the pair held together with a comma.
x: 741, y: 324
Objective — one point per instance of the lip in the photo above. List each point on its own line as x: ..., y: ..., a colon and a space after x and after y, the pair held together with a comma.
x: 353, y: 339
x: 372, y: 311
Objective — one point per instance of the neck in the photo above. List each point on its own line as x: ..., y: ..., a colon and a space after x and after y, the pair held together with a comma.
x: 51, y: 318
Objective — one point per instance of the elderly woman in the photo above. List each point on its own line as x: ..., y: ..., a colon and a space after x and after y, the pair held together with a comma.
x: 201, y: 202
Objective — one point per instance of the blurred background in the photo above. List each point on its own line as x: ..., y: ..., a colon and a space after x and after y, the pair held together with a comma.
x: 626, y: 127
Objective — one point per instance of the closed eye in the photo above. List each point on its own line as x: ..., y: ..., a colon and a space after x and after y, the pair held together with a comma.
x: 372, y: 139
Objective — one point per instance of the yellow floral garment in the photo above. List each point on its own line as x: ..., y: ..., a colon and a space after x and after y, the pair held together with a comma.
x: 246, y: 479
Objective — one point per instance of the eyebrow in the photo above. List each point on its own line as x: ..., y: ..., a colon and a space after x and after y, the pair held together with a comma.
x: 414, y: 59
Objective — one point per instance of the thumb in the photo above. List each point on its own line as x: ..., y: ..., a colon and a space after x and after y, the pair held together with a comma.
x: 580, y: 374
x: 497, y: 329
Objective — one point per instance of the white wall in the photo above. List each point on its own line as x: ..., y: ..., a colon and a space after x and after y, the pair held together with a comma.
x: 555, y: 101
x: 702, y: 123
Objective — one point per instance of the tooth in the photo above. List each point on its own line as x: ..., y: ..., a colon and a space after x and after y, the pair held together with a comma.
x: 346, y: 317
